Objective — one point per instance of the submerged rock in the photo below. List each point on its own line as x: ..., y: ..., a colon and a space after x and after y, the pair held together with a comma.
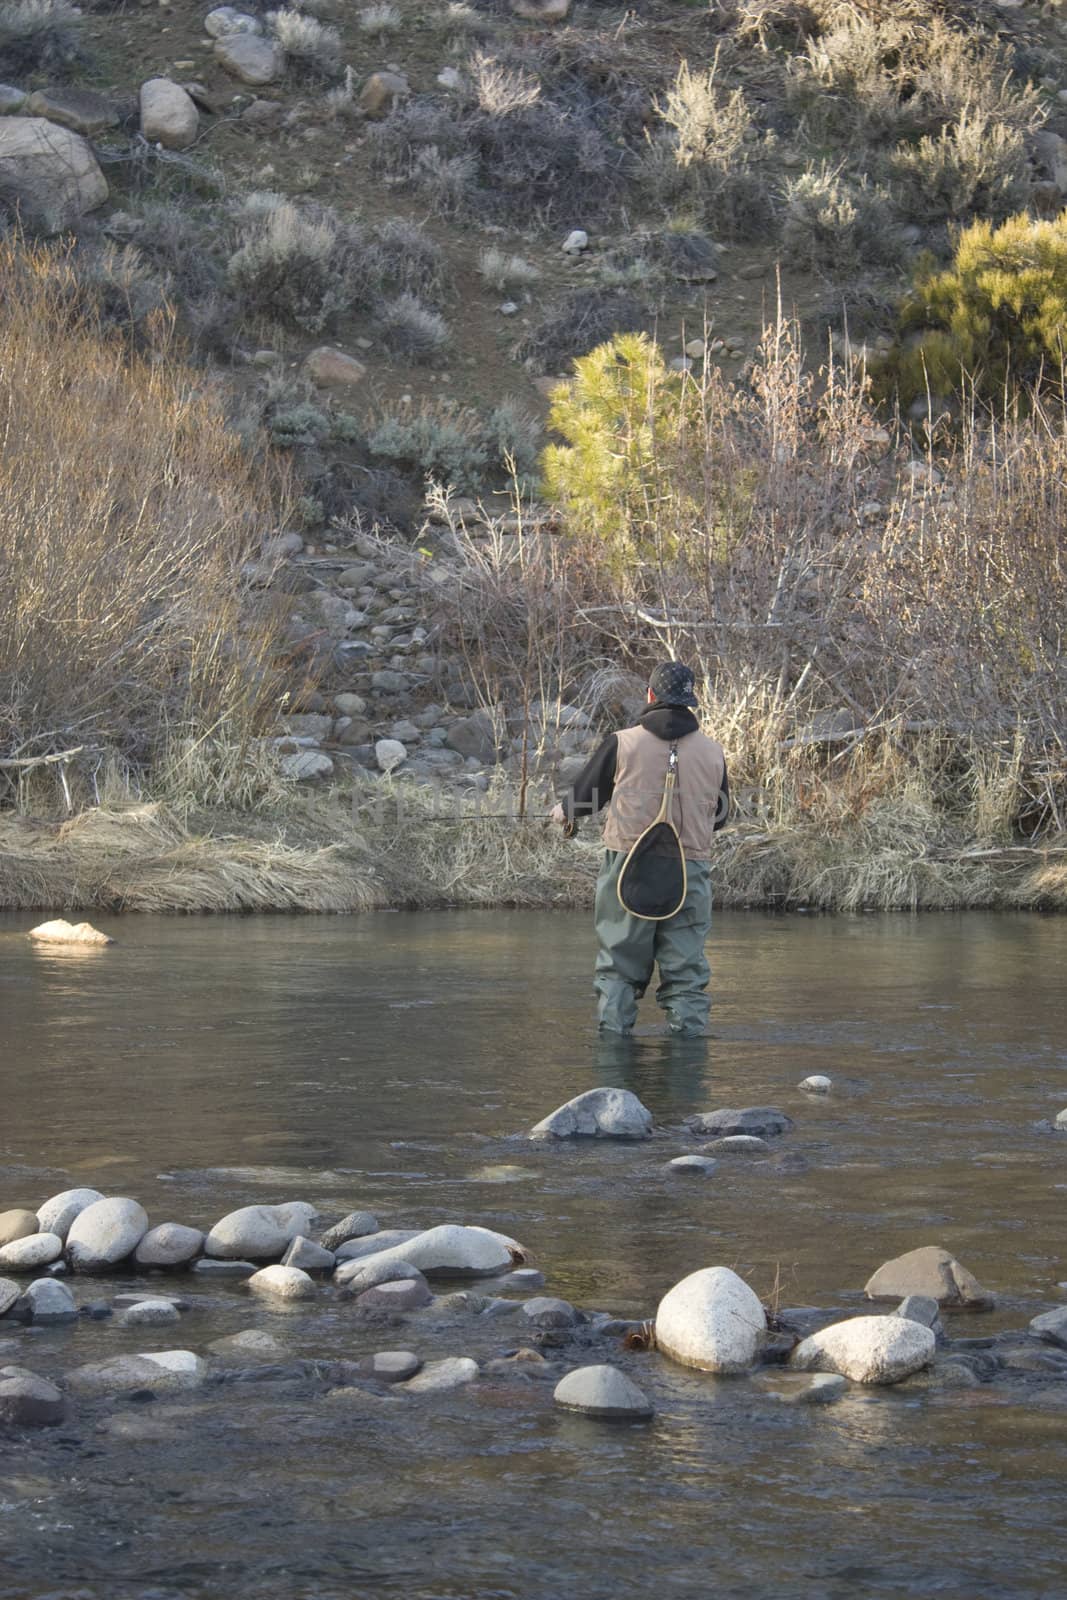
x: 27, y: 1401
x: 105, y: 1233
x: 762, y: 1122
x: 816, y: 1084
x: 929, y: 1271
x: 602, y: 1391
x: 206, y: 1268
x: 34, y: 1250
x: 57, y: 1214
x: 251, y: 1344
x: 597, y: 1114
x: 50, y: 1301
x: 287, y: 1283
x: 150, y: 1314
x: 436, y: 1376
x: 712, y: 1320
x: 544, y: 1311
x: 1051, y: 1326
x: 391, y: 1366
x: 692, y: 1166
x: 400, y: 1294
x: 737, y: 1144
x: 870, y: 1350
x: 796, y: 1389
x: 169, y: 1245
x: 163, y: 1371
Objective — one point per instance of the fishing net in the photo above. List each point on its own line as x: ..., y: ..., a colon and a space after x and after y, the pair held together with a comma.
x: 652, y: 880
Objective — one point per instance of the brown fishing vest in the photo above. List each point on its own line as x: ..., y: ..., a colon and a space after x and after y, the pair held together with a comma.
x: 640, y: 770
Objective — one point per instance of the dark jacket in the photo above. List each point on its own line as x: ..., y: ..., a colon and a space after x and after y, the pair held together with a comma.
x: 595, y: 784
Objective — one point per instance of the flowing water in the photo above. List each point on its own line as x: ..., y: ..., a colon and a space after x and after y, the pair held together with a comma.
x: 392, y: 1062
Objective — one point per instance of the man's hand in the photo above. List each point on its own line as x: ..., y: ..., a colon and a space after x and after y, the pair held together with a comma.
x: 557, y: 814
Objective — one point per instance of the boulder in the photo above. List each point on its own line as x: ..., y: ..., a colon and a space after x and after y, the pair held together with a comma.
x: 50, y: 1301
x: 597, y: 1114
x: 762, y: 1122
x: 437, y: 1376
x: 870, y: 1350
x: 357, y: 1224
x: 80, y: 110
x: 353, y: 1277
x: 816, y: 1084
x: 105, y: 1233
x: 171, y: 1244
x: 453, y: 1250
x: 602, y: 1391
x: 473, y: 736
x: 919, y: 1308
x: 391, y: 1366
x: 150, y: 1314
x: 737, y: 1144
x: 1051, y: 1326
x: 168, y: 114
x: 309, y: 1257
x: 27, y: 1401
x: 51, y: 177
x: 251, y: 1344
x: 929, y: 1271
x: 161, y: 1371
x: 249, y: 58
x: 285, y: 1283
x: 254, y: 1233
x: 34, y: 1250
x: 57, y: 1214
x: 9, y: 1293
x: 226, y: 20
x: 331, y: 368
x: 545, y: 1311
x: 712, y: 1320
x: 381, y: 92
x: 397, y: 1294
x: 17, y: 1224
x: 59, y: 931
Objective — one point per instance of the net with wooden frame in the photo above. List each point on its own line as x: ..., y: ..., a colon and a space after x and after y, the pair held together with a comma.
x: 652, y: 883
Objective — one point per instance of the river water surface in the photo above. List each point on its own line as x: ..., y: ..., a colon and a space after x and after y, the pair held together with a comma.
x: 392, y: 1063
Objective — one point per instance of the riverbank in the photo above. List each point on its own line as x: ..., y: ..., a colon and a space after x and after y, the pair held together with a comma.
x: 343, y: 854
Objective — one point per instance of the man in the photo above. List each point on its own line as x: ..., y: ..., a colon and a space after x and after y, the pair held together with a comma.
x: 626, y: 774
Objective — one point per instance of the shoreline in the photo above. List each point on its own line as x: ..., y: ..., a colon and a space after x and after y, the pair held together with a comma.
x: 317, y: 858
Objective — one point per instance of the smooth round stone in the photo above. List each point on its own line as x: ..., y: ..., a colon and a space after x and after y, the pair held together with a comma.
x: 9, y: 1293
x: 455, y: 1250
x: 51, y: 1302
x: 150, y: 1314
x: 105, y: 1233
x: 286, y: 1283
x: 711, y: 1320
x: 692, y: 1166
x: 251, y: 1344
x: 738, y: 1144
x: 392, y: 1366
x: 357, y: 1225
x: 35, y: 1250
x: 137, y: 1297
x: 257, y: 1233
x: 602, y: 1391
x: 544, y: 1311
x: 17, y: 1224
x: 309, y: 1257
x: 437, y: 1376
x: 163, y: 1371
x: 1051, y: 1326
x: 873, y: 1350
x: 352, y: 1277
x: 403, y: 1294
x: 764, y: 1122
x: 27, y: 1401
x: 171, y: 1244
x: 521, y: 1278
x: 57, y: 1214
x: 816, y: 1084
x: 358, y: 1249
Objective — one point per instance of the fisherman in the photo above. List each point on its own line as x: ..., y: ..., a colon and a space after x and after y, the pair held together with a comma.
x: 627, y: 774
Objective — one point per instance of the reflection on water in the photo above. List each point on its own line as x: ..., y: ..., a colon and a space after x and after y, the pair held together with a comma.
x: 392, y: 1063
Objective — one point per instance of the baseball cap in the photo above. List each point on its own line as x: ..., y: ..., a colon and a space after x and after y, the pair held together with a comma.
x: 672, y: 684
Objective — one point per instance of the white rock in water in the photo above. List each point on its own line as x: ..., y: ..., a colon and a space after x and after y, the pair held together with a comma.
x: 873, y: 1350
x: 437, y: 1376
x: 1051, y: 1326
x: 257, y: 1233
x: 105, y: 1233
x: 287, y: 1283
x: 251, y: 1344
x: 692, y: 1166
x: 359, y: 1249
x: 597, y: 1114
x: 356, y: 1225
x: 930, y: 1271
x: 171, y: 1244
x: 712, y: 1320
x: 60, y: 932
x: 150, y: 1314
x: 164, y: 1371
x: 27, y: 1401
x: 57, y: 1214
x: 816, y: 1084
x: 1061, y: 1120
x: 355, y: 1276
x: 36, y: 1250
x: 51, y: 1301
x: 453, y: 1249
x: 308, y: 1256
x: 576, y: 241
x: 602, y: 1391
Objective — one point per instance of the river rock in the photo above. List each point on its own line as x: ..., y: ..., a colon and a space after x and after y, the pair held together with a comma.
x: 309, y: 1257
x: 251, y: 1344
x: 162, y: 1371
x: 870, y: 1350
x: 385, y: 1239
x: 764, y: 1122
x: 168, y: 115
x: 257, y: 1233
x: 1051, y: 1326
x: 929, y: 1271
x: 816, y: 1084
x: 151, y: 1313
x: 522, y: 1278
x: 737, y: 1144
x: 436, y: 1376
x: 353, y: 1277
x: 454, y: 1249
x: 285, y: 1283
x: 18, y: 1224
x: 9, y: 1293
x: 227, y: 19
x: 597, y: 1114
x: 692, y: 1166
x: 919, y: 1308
x: 171, y: 1244
x: 27, y: 1401
x: 34, y: 1250
x: 57, y: 1214
x: 712, y: 1320
x: 206, y: 1268
x: 794, y: 1389
x: 357, y: 1225
x: 389, y: 754
x: 50, y: 1301
x: 398, y: 1294
x: 391, y: 1366
x: 602, y: 1391
x: 105, y: 1233
x: 58, y: 931
x: 248, y: 58
x: 545, y: 1311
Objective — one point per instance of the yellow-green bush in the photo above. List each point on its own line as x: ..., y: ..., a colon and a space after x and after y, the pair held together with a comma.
x: 995, y: 318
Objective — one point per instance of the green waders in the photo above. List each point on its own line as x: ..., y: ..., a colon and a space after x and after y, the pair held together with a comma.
x: 630, y: 948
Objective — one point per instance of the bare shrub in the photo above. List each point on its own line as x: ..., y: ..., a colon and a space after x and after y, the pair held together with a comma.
x: 126, y: 516
x: 502, y: 270
x: 39, y: 36
x: 311, y: 47
x: 295, y: 263
x: 500, y: 90
x: 848, y: 79
x: 976, y: 167
x: 184, y: 247
x: 407, y: 259
x: 455, y: 444
x: 833, y: 224
x: 578, y: 322
x: 379, y: 20
x: 411, y: 329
